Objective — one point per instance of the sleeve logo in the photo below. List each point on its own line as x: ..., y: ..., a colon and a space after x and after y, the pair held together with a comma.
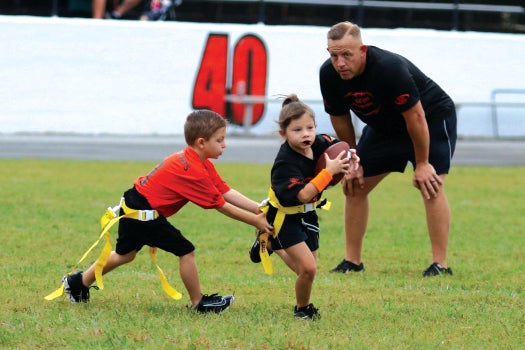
x: 402, y: 99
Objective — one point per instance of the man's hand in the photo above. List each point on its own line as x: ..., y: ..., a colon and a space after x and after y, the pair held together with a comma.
x: 351, y: 179
x: 426, y: 180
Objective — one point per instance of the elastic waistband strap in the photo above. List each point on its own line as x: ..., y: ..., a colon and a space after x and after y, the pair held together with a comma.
x: 141, y: 215
x: 283, y: 211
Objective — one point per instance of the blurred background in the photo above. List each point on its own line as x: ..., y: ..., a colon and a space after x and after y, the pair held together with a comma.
x: 72, y: 83
x: 65, y: 73
x: 476, y: 15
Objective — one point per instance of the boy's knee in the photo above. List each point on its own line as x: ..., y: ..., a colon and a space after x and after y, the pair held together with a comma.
x: 190, y: 255
x: 128, y: 257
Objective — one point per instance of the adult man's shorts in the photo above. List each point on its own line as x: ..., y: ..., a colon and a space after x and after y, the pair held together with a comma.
x: 381, y: 153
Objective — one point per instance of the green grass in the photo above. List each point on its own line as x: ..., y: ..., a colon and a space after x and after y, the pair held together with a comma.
x: 50, y: 214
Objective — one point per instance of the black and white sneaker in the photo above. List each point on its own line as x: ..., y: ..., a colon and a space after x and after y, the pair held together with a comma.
x: 254, y: 250
x: 346, y: 266
x: 436, y: 269
x: 74, y: 289
x: 214, y: 303
x: 307, y: 312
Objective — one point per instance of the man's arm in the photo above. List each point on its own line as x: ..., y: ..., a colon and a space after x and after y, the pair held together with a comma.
x: 425, y: 177
x: 344, y: 128
x: 418, y: 130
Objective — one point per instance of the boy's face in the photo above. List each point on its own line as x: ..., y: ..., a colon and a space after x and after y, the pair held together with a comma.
x: 214, y: 147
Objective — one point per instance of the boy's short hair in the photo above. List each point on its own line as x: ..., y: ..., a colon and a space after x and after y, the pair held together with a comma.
x: 202, y: 123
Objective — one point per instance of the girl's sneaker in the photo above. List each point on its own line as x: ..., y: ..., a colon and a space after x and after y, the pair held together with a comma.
x: 254, y: 250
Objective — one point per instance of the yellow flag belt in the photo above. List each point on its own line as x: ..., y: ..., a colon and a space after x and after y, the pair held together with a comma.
x: 107, y: 220
x: 281, y: 213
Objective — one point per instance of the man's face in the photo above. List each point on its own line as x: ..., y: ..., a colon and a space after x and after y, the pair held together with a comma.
x: 348, y: 56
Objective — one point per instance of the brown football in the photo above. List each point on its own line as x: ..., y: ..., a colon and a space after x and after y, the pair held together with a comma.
x: 333, y: 151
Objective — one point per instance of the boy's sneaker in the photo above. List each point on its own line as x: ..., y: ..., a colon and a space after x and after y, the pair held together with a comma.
x: 254, y: 250
x: 346, y: 266
x: 306, y: 312
x: 75, y: 290
x: 214, y: 303
x: 436, y: 269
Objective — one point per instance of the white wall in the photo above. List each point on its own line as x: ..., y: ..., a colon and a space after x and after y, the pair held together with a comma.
x: 129, y: 77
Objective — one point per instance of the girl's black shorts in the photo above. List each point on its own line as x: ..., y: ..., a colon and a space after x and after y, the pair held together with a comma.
x: 296, y: 229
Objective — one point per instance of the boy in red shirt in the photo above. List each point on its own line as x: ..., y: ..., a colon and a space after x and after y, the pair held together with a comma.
x: 185, y: 176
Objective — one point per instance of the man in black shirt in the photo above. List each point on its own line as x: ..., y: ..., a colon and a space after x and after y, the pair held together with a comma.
x: 408, y: 118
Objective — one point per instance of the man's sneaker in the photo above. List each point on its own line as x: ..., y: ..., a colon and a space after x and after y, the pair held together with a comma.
x: 306, y: 312
x: 254, y: 250
x: 436, y: 269
x: 214, y: 303
x: 75, y: 290
x: 346, y: 266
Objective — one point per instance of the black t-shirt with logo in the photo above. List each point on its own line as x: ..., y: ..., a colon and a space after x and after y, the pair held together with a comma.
x: 390, y: 85
x: 292, y: 171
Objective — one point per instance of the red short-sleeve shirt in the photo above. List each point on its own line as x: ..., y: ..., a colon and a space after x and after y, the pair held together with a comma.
x: 179, y: 178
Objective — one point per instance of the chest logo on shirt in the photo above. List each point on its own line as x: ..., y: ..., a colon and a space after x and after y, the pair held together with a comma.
x: 363, y: 103
x: 402, y: 99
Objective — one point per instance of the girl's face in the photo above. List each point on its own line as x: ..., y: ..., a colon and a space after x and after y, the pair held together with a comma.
x: 300, y: 133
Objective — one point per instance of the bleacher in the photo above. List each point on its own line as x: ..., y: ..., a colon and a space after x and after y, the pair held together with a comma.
x: 476, y: 15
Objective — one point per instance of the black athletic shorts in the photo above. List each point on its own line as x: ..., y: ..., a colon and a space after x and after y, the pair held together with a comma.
x: 134, y: 234
x: 381, y: 153
x: 297, y: 228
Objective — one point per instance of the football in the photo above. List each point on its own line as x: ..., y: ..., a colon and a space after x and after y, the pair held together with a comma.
x: 332, y: 152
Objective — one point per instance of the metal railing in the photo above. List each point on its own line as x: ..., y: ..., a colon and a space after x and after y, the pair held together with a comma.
x: 250, y: 100
x: 454, y: 6
x: 493, y: 104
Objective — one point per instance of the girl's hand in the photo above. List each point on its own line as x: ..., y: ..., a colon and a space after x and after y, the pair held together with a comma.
x: 340, y: 164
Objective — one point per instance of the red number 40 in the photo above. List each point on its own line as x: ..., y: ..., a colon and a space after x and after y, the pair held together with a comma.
x: 248, y: 76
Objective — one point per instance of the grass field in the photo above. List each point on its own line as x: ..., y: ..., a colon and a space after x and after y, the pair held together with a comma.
x: 50, y: 214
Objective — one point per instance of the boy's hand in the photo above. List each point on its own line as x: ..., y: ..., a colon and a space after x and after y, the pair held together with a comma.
x: 262, y: 224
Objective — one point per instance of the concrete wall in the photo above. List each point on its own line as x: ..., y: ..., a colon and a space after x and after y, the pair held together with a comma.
x: 89, y: 76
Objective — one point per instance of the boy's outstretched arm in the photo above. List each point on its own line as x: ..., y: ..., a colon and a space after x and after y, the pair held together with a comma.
x: 241, y: 201
x: 258, y: 221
